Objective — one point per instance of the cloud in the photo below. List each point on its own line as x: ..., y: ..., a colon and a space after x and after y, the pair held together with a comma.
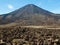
x: 10, y: 6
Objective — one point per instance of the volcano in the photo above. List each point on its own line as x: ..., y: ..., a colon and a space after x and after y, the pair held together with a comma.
x: 30, y: 15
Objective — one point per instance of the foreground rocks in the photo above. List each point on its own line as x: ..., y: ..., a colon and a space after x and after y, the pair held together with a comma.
x: 30, y: 36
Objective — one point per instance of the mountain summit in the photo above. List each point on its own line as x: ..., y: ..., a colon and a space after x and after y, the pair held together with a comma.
x: 29, y: 15
x: 32, y: 9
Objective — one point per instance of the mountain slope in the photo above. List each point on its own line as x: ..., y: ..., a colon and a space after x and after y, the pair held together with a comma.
x: 30, y: 15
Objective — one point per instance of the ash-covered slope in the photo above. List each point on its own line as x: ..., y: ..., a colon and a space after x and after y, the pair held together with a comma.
x: 30, y: 15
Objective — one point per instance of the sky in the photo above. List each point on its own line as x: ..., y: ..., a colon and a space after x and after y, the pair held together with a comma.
x: 7, y: 6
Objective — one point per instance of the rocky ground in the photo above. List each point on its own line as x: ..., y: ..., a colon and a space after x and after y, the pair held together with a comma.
x: 33, y: 36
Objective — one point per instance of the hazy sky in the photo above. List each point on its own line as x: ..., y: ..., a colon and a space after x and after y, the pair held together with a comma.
x: 7, y: 6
